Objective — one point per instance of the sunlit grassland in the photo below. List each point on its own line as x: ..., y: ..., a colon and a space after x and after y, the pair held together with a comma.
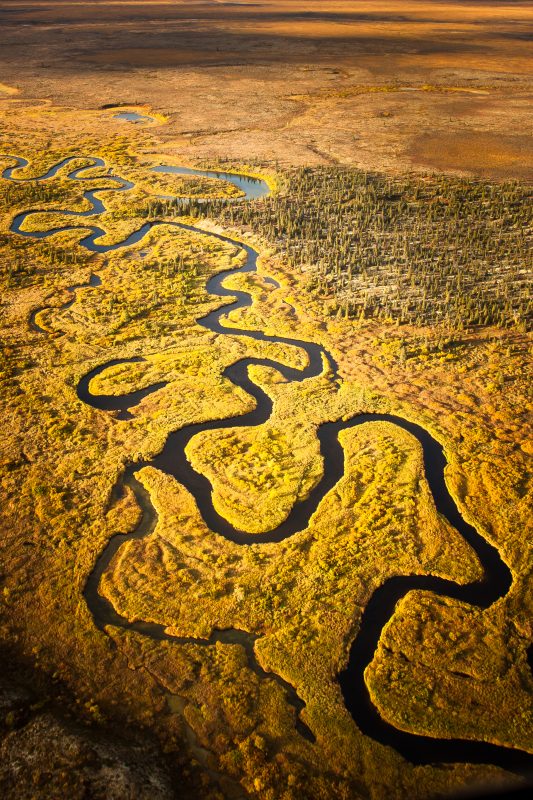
x: 160, y: 183
x: 443, y: 667
x: 304, y: 597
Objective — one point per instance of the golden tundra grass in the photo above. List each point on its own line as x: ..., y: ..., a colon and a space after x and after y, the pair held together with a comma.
x: 465, y: 669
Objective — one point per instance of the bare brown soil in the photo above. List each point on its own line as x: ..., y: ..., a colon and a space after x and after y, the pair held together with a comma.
x: 484, y: 153
x: 385, y: 85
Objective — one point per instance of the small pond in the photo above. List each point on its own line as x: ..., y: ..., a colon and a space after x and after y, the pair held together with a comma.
x: 133, y: 116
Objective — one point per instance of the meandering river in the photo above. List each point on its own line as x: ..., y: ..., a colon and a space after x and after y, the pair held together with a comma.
x: 172, y: 460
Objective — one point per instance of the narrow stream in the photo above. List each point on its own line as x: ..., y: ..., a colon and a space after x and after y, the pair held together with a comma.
x: 172, y: 460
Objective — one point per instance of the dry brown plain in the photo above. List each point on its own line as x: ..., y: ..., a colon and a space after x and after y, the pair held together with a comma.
x: 410, y: 86
x: 381, y: 85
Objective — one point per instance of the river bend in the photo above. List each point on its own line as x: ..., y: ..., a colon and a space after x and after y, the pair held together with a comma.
x: 497, y: 579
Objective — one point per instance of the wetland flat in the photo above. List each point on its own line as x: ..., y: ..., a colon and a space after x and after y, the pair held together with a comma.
x: 266, y: 313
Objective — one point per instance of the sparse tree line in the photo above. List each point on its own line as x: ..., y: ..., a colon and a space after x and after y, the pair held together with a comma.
x: 23, y: 259
x: 410, y: 249
x: 31, y: 193
x: 26, y: 260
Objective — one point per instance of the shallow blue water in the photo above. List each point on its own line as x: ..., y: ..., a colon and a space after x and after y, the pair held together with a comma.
x: 133, y: 116
x: 253, y: 188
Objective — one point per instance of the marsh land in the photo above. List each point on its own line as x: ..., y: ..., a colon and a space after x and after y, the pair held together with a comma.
x: 266, y: 398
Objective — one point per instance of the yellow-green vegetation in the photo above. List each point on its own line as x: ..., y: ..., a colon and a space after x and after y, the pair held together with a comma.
x: 358, y: 505
x: 422, y: 683
x: 307, y: 604
x: 301, y: 599
x: 161, y: 183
